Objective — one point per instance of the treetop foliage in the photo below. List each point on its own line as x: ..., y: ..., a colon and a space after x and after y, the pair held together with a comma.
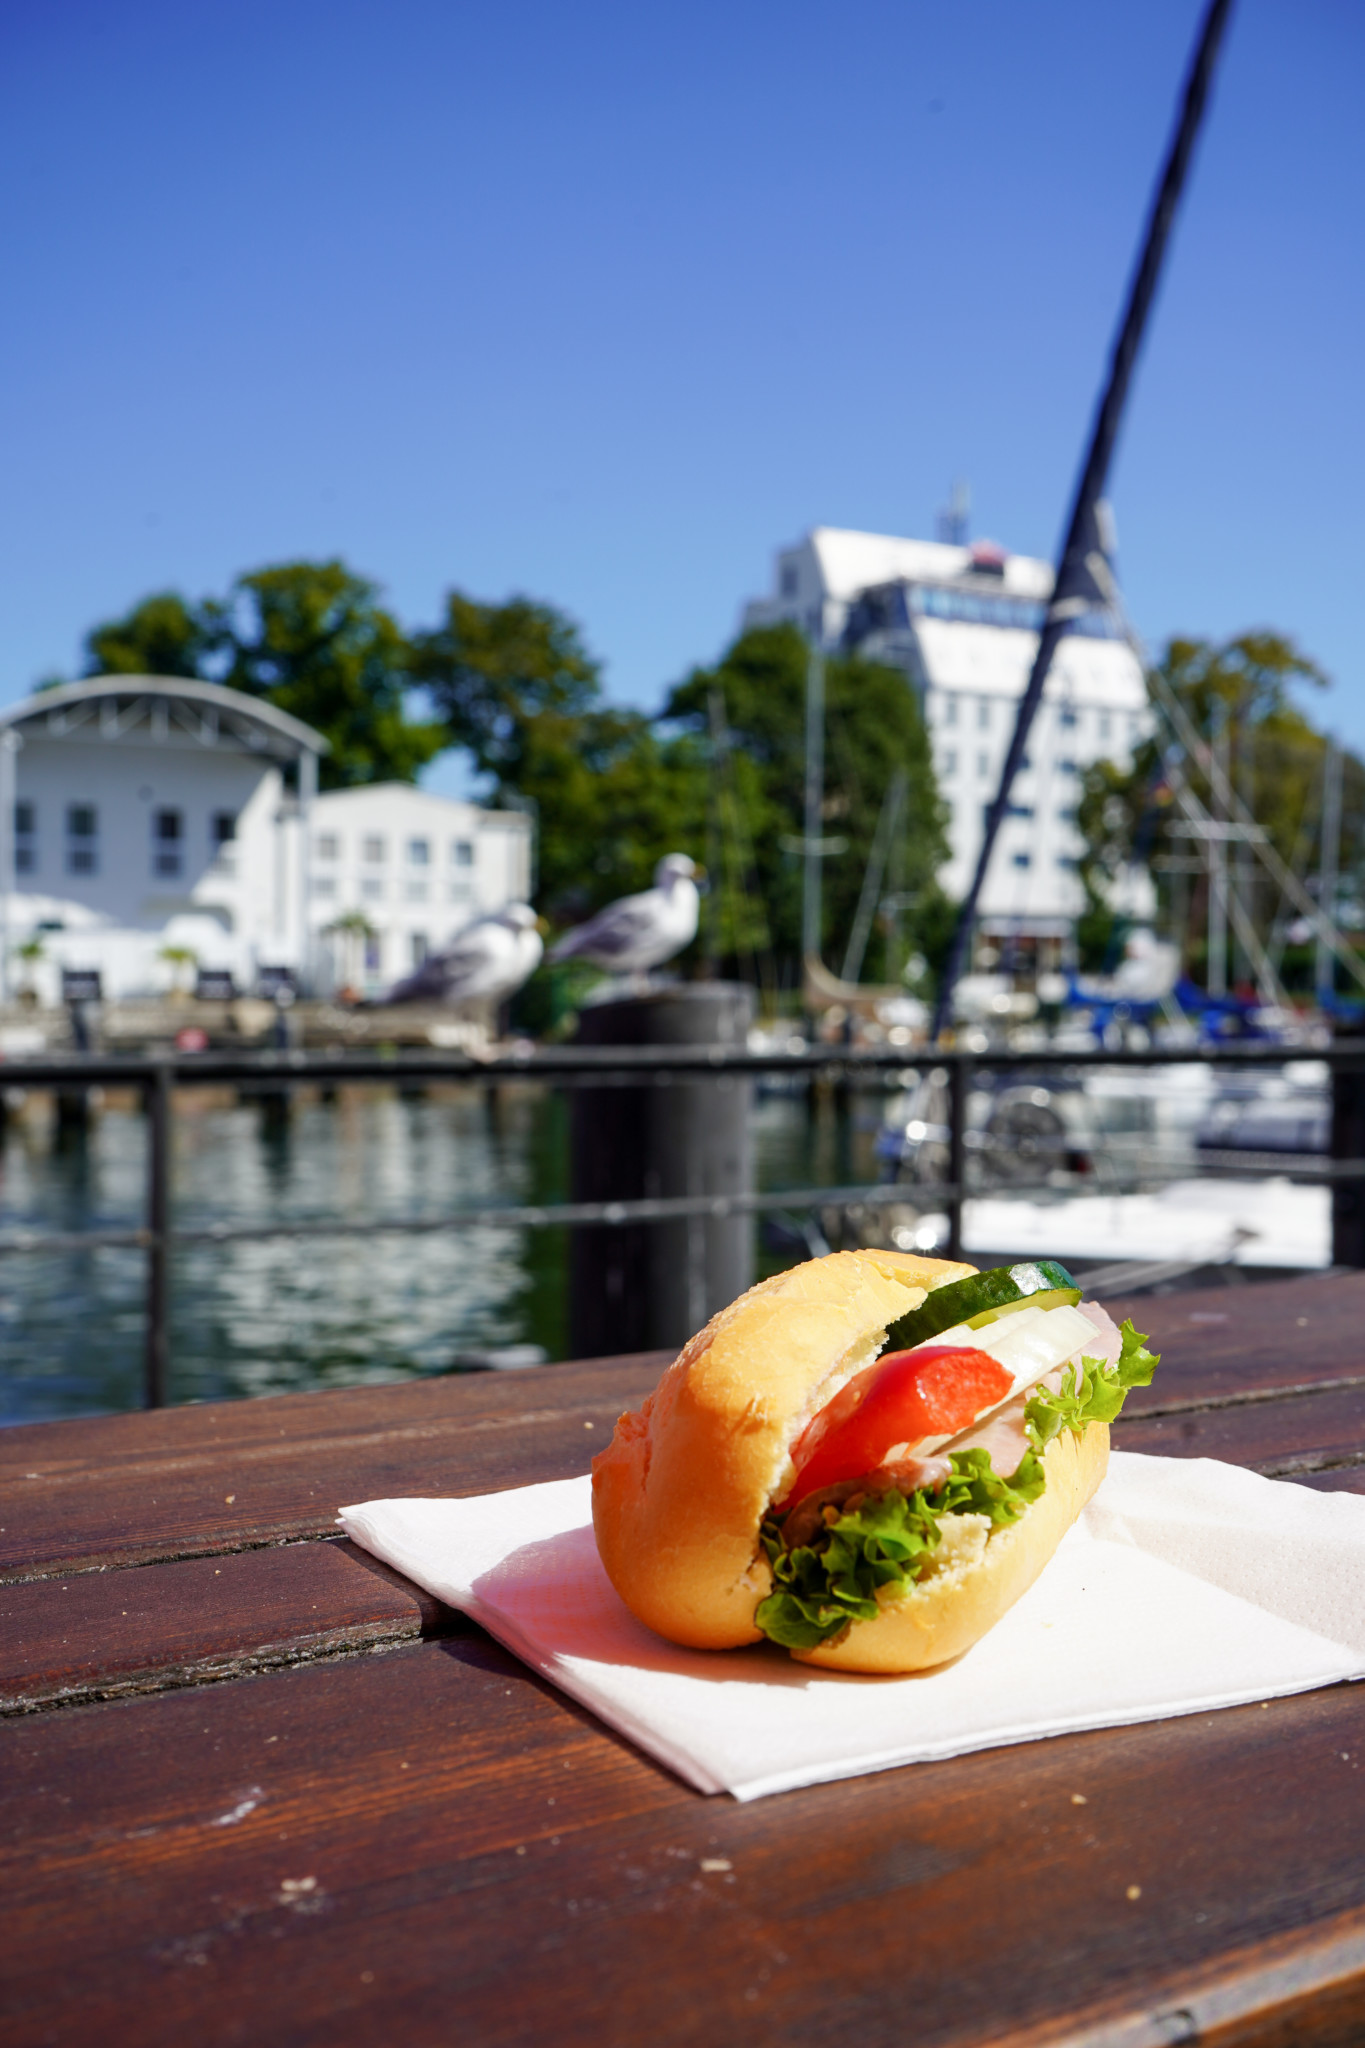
x: 1237, y: 695
x: 756, y: 695
x: 720, y: 775
x: 310, y: 638
x: 491, y: 668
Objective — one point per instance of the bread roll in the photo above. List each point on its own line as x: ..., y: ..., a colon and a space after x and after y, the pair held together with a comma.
x: 680, y: 1491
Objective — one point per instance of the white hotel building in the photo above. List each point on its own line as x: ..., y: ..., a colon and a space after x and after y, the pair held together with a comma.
x: 154, y: 813
x: 963, y: 623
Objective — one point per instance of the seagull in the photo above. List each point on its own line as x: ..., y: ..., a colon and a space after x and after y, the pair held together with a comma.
x: 489, y: 959
x: 640, y: 932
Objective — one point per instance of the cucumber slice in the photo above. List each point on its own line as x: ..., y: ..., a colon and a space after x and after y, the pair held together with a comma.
x: 982, y: 1298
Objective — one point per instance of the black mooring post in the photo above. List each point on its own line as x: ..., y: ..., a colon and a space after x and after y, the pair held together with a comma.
x: 1348, y: 1142
x: 638, y: 1287
x: 157, y: 1093
x: 959, y: 1083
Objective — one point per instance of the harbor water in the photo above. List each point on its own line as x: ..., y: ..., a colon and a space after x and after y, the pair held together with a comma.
x: 282, y: 1313
x: 286, y: 1314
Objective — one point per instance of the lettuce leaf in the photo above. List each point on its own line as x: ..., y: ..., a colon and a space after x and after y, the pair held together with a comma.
x: 888, y: 1539
x: 1091, y: 1392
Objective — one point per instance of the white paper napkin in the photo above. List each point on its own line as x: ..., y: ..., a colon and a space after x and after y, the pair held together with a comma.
x: 1186, y: 1585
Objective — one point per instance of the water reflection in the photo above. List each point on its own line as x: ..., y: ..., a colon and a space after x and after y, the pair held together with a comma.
x: 283, y: 1314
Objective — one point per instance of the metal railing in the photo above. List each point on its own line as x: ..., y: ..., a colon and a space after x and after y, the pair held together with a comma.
x: 272, y: 1074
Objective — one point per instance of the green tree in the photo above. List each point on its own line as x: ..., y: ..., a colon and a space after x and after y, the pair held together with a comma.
x: 312, y: 638
x: 492, y: 670
x: 162, y: 636
x: 517, y: 688
x: 309, y: 637
x: 873, y: 728
x: 1237, y: 694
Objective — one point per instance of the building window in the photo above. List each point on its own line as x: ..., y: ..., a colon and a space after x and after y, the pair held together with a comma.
x: 950, y: 710
x: 420, y: 949
x: 222, y: 834
x: 167, y: 842
x: 983, y: 714
x: 82, y: 839
x: 462, y: 852
x: 374, y: 849
x: 1067, y: 814
x: 25, y: 838
x: 983, y: 765
x: 1023, y: 860
x: 1019, y: 810
x: 1067, y: 860
x: 950, y: 761
x: 459, y: 892
x: 374, y: 952
x: 372, y: 888
x: 789, y: 579
x: 1067, y: 767
x: 324, y: 885
x: 416, y: 892
x: 1105, y: 723
x: 419, y: 853
x: 1067, y: 716
x: 327, y: 846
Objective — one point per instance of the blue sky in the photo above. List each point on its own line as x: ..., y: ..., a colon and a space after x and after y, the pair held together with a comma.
x: 604, y: 303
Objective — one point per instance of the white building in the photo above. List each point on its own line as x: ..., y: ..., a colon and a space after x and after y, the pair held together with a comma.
x: 963, y: 624
x: 156, y: 813
x: 396, y: 872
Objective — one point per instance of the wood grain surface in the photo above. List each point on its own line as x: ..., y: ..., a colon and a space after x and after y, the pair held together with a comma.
x: 430, y: 1843
x: 200, y: 1480
x: 99, y: 1634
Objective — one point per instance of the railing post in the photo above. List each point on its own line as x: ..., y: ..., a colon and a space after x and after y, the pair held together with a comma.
x: 959, y: 1081
x: 1348, y: 1142
x: 157, y: 1097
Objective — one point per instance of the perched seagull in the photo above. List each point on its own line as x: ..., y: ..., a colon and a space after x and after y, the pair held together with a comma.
x: 640, y: 932
x: 489, y: 959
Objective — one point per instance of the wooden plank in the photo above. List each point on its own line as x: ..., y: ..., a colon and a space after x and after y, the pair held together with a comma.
x: 431, y: 1841
x: 101, y: 1634
x: 1224, y: 1342
x: 208, y: 1479
x: 201, y: 1480
x: 1298, y: 1433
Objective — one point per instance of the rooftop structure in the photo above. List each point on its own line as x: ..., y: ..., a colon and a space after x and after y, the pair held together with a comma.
x: 962, y: 622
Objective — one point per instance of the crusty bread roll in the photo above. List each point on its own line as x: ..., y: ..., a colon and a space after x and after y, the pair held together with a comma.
x: 679, y: 1493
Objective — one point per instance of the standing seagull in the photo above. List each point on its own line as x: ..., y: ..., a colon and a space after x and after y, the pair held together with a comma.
x: 640, y: 932
x: 488, y: 960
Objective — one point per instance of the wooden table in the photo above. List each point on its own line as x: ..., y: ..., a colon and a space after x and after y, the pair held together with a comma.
x: 258, y: 1789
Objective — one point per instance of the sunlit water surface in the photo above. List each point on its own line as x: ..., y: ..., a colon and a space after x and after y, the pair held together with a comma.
x: 288, y: 1314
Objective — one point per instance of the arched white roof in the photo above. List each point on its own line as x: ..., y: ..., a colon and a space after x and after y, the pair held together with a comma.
x: 162, y: 708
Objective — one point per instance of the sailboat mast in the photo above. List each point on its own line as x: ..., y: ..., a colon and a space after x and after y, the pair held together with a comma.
x: 815, y: 801
x: 1326, y: 975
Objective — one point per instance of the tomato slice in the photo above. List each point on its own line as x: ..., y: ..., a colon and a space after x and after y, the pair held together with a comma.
x: 934, y: 1391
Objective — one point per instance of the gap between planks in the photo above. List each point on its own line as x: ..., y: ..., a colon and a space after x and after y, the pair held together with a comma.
x: 251, y: 1664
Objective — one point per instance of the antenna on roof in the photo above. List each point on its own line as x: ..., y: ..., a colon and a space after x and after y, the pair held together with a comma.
x: 953, y: 519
